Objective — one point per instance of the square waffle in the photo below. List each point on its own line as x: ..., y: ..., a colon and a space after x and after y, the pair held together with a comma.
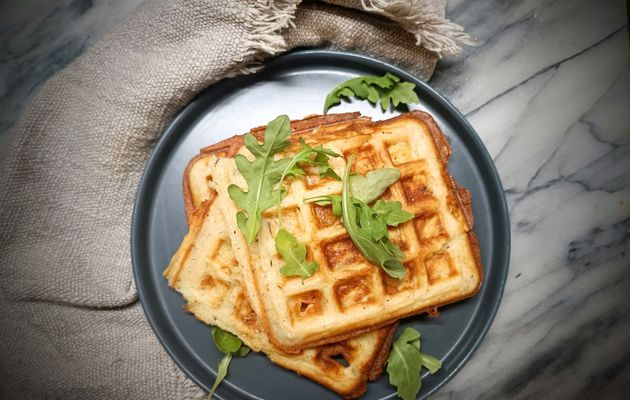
x: 348, y: 295
x: 205, y: 271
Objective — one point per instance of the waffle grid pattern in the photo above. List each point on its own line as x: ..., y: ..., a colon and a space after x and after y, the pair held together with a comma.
x: 347, y: 292
x: 357, y: 282
x: 205, y: 271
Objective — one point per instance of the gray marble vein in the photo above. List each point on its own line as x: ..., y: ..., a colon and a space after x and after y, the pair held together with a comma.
x: 39, y: 37
x: 548, y: 90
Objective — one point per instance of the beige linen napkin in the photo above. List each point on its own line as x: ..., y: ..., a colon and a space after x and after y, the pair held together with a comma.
x: 71, y: 326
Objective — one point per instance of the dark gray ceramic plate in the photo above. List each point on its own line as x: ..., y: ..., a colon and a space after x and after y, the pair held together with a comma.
x: 296, y: 84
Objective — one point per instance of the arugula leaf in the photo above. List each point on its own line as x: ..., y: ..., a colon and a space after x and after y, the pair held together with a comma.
x: 402, y: 93
x: 369, y: 221
x: 387, y: 88
x: 325, y: 170
x: 303, y: 157
x: 225, y: 341
x: 405, y: 362
x: 410, y: 336
x: 293, y: 253
x: 391, y: 212
x: 261, y: 175
x: 371, y: 186
x: 392, y: 265
x: 230, y: 345
x: 380, y: 252
x: 321, y: 160
x: 243, y: 351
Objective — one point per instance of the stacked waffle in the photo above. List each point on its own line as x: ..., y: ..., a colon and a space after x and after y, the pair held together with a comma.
x: 349, y: 307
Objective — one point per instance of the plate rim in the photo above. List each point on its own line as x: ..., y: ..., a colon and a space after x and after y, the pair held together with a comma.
x: 141, y: 214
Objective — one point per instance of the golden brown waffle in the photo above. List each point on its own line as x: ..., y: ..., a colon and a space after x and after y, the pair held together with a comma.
x: 205, y: 271
x: 348, y: 295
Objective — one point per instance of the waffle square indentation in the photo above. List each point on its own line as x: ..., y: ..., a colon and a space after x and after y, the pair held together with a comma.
x: 439, y: 266
x: 366, y: 159
x: 292, y: 220
x: 341, y: 252
x: 306, y: 304
x: 323, y: 216
x: 416, y: 188
x: 354, y: 291
x: 410, y: 281
x: 429, y: 227
x: 401, y: 153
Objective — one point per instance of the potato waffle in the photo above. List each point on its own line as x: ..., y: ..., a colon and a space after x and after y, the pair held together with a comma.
x: 348, y: 295
x: 205, y: 271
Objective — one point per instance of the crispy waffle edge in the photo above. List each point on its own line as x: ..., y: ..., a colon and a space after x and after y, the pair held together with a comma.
x: 372, y: 372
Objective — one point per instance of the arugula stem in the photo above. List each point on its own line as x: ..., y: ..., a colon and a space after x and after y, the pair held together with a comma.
x: 221, y: 373
x: 345, y: 191
x: 267, y: 155
x: 293, y: 162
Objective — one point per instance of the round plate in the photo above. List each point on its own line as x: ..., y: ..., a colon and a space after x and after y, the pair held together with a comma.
x: 296, y: 84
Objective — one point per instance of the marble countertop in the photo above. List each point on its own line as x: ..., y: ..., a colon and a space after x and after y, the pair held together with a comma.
x: 548, y: 91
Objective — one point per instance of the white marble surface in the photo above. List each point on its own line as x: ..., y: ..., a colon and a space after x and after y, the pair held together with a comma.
x: 548, y: 90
